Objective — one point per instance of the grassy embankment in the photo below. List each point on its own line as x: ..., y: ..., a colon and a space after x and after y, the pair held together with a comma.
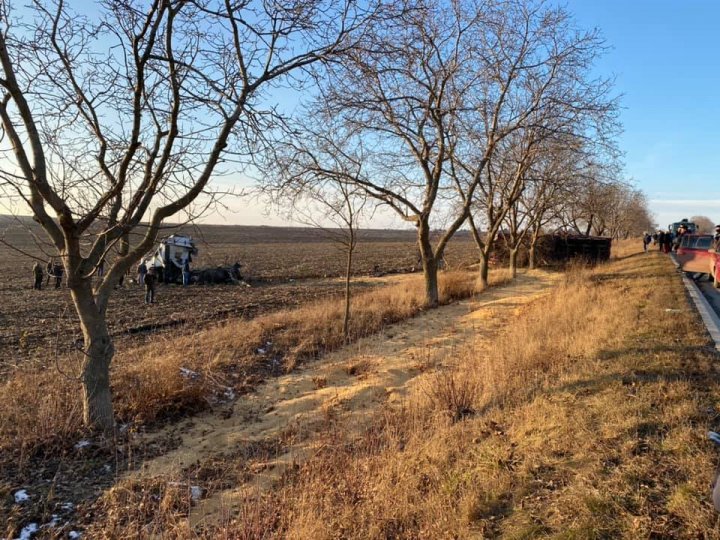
x: 40, y: 411
x: 585, y: 419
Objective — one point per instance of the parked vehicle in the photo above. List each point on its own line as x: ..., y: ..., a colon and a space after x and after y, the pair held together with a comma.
x: 689, y: 225
x: 714, y: 267
x: 693, y: 253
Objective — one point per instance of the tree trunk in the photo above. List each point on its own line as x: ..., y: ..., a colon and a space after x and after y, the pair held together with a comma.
x: 346, y: 318
x: 531, y: 252
x: 532, y: 248
x: 99, y: 351
x: 513, y: 262
x: 482, y: 281
x: 429, y: 263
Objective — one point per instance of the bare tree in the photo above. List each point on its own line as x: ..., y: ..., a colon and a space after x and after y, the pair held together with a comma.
x: 537, y: 85
x: 546, y: 194
x: 114, y: 124
x: 608, y: 207
x: 393, y: 108
x: 333, y: 207
x: 497, y: 200
x: 704, y: 224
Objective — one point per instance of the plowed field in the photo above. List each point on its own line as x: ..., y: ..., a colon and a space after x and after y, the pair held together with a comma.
x: 285, y: 267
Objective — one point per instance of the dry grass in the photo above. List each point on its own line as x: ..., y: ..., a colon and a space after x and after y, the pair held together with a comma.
x: 152, y: 383
x: 590, y: 424
x: 585, y: 418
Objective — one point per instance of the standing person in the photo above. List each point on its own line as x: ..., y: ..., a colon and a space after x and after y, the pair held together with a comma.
x: 38, y: 275
x: 646, y: 241
x: 716, y: 238
x: 667, y: 242
x: 186, y: 273
x: 655, y: 238
x: 142, y: 270
x: 682, y: 230
x: 660, y: 240
x: 58, y: 273
x: 149, y: 281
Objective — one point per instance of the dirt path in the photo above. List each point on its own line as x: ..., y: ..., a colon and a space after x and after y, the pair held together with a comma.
x: 346, y: 385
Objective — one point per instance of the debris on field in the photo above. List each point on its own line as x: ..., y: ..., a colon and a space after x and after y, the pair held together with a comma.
x: 189, y: 373
x: 28, y: 531
x: 21, y: 496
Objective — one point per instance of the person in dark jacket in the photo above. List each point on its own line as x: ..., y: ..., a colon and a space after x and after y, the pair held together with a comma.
x: 142, y: 271
x: 150, y: 279
x: 661, y: 240
x: 667, y: 242
x: 58, y: 274
x: 646, y: 241
x: 38, y: 275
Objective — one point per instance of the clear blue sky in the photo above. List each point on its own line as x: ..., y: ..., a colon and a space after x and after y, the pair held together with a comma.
x: 666, y: 57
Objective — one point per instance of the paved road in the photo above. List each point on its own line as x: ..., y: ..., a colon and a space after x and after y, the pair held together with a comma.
x: 709, y: 292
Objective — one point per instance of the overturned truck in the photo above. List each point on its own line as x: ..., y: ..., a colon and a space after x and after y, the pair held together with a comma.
x: 170, y: 256
x: 562, y: 248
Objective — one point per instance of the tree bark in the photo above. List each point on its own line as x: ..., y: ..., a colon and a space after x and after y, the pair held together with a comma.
x: 482, y: 281
x: 346, y: 318
x: 512, y: 266
x: 532, y: 249
x: 99, y: 351
x: 429, y: 263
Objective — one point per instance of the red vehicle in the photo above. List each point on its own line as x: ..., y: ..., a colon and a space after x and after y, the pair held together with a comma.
x: 695, y: 256
x: 715, y: 267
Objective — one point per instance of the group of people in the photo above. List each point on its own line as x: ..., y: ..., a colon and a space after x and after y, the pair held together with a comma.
x: 664, y: 240
x: 147, y: 277
x: 53, y: 270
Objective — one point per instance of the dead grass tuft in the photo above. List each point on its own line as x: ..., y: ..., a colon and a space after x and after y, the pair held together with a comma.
x: 39, y: 412
x: 453, y: 394
x: 143, y: 509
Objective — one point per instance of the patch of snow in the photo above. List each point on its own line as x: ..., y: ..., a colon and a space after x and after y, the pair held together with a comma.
x: 21, y: 496
x: 229, y: 394
x: 261, y: 351
x: 82, y: 444
x: 28, y: 531
x: 188, y: 373
x: 195, y: 491
x: 67, y: 506
x: 74, y: 534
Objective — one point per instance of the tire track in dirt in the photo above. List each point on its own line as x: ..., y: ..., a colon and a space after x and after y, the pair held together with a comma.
x: 348, y: 384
